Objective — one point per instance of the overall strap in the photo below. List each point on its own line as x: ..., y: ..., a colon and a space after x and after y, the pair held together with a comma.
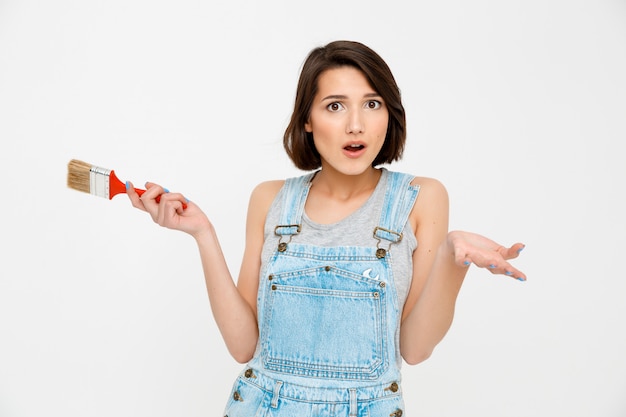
x: 399, y: 199
x: 294, y: 194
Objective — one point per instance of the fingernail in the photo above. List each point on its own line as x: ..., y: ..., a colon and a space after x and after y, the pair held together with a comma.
x: 520, y: 279
x: 466, y: 263
x: 492, y: 266
x: 521, y: 249
x: 127, y: 185
x: 166, y: 190
x: 186, y: 200
x: 508, y: 273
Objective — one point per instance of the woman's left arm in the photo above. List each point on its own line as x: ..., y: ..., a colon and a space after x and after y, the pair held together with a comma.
x: 440, y: 263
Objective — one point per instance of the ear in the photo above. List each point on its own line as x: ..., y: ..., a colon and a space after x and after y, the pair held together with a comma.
x: 307, y: 127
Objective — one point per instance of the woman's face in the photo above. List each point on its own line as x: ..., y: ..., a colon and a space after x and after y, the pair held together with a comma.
x: 348, y: 121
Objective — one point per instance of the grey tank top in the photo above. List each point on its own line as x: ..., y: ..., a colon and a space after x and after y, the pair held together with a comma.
x: 354, y: 230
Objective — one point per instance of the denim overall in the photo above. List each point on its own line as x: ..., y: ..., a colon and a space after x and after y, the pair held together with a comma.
x: 328, y: 319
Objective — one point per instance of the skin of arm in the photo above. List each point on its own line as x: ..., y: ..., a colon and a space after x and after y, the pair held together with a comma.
x: 248, y: 282
x: 429, y: 307
x: 440, y: 263
x: 233, y: 306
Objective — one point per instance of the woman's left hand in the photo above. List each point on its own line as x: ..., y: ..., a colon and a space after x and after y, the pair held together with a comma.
x: 471, y: 248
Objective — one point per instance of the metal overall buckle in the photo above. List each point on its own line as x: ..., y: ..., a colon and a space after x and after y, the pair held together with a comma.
x: 382, y: 252
x: 282, y: 246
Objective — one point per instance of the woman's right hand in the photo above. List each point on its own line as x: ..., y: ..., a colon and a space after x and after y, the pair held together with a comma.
x: 172, y: 210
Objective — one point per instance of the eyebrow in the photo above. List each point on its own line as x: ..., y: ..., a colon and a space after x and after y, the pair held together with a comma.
x: 342, y: 97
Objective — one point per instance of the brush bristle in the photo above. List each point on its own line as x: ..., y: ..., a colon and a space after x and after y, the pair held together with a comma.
x: 78, y: 175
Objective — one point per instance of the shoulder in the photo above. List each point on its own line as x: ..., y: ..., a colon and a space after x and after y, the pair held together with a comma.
x: 268, y: 190
x: 426, y: 185
x: 432, y: 202
x: 261, y: 200
x: 430, y: 186
x: 264, y: 193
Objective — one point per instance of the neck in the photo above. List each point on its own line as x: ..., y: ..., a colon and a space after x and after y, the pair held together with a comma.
x: 344, y: 186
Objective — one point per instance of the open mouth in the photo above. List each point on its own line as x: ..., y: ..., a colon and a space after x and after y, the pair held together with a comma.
x: 354, y: 147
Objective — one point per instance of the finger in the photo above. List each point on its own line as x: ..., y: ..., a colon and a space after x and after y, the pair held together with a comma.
x: 514, y: 273
x: 498, y: 266
x: 461, y: 258
x: 491, y: 260
x: 170, y: 208
x: 150, y: 199
x: 503, y: 267
x: 512, y: 252
x: 177, y: 201
x: 153, y: 191
x: 152, y: 195
x: 482, y: 259
x: 134, y: 197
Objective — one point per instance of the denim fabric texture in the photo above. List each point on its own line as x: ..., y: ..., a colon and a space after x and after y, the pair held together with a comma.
x: 328, y: 319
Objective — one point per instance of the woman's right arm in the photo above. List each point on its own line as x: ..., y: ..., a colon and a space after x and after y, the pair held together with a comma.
x: 233, y: 306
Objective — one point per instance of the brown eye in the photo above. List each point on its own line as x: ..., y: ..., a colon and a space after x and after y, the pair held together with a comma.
x: 334, y: 107
x: 373, y: 104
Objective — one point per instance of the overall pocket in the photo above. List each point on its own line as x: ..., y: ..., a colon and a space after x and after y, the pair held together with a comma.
x: 325, y: 322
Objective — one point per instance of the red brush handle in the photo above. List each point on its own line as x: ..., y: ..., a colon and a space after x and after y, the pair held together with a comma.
x: 140, y: 191
x: 116, y: 186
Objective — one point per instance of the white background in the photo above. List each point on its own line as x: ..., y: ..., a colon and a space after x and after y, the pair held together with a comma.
x: 518, y: 107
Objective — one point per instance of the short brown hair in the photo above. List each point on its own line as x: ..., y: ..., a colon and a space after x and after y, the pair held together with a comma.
x: 298, y: 142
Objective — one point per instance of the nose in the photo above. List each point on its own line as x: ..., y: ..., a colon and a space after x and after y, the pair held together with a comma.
x: 354, y: 123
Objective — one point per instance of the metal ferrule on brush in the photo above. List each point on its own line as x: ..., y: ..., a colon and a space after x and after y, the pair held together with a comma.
x: 99, y: 181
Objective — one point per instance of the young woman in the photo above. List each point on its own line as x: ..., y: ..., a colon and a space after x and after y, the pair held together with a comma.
x: 348, y: 269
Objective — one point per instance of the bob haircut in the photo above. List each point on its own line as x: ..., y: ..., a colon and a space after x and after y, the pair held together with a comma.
x: 298, y: 142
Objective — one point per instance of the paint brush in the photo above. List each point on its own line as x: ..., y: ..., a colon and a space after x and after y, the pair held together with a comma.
x: 97, y: 181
